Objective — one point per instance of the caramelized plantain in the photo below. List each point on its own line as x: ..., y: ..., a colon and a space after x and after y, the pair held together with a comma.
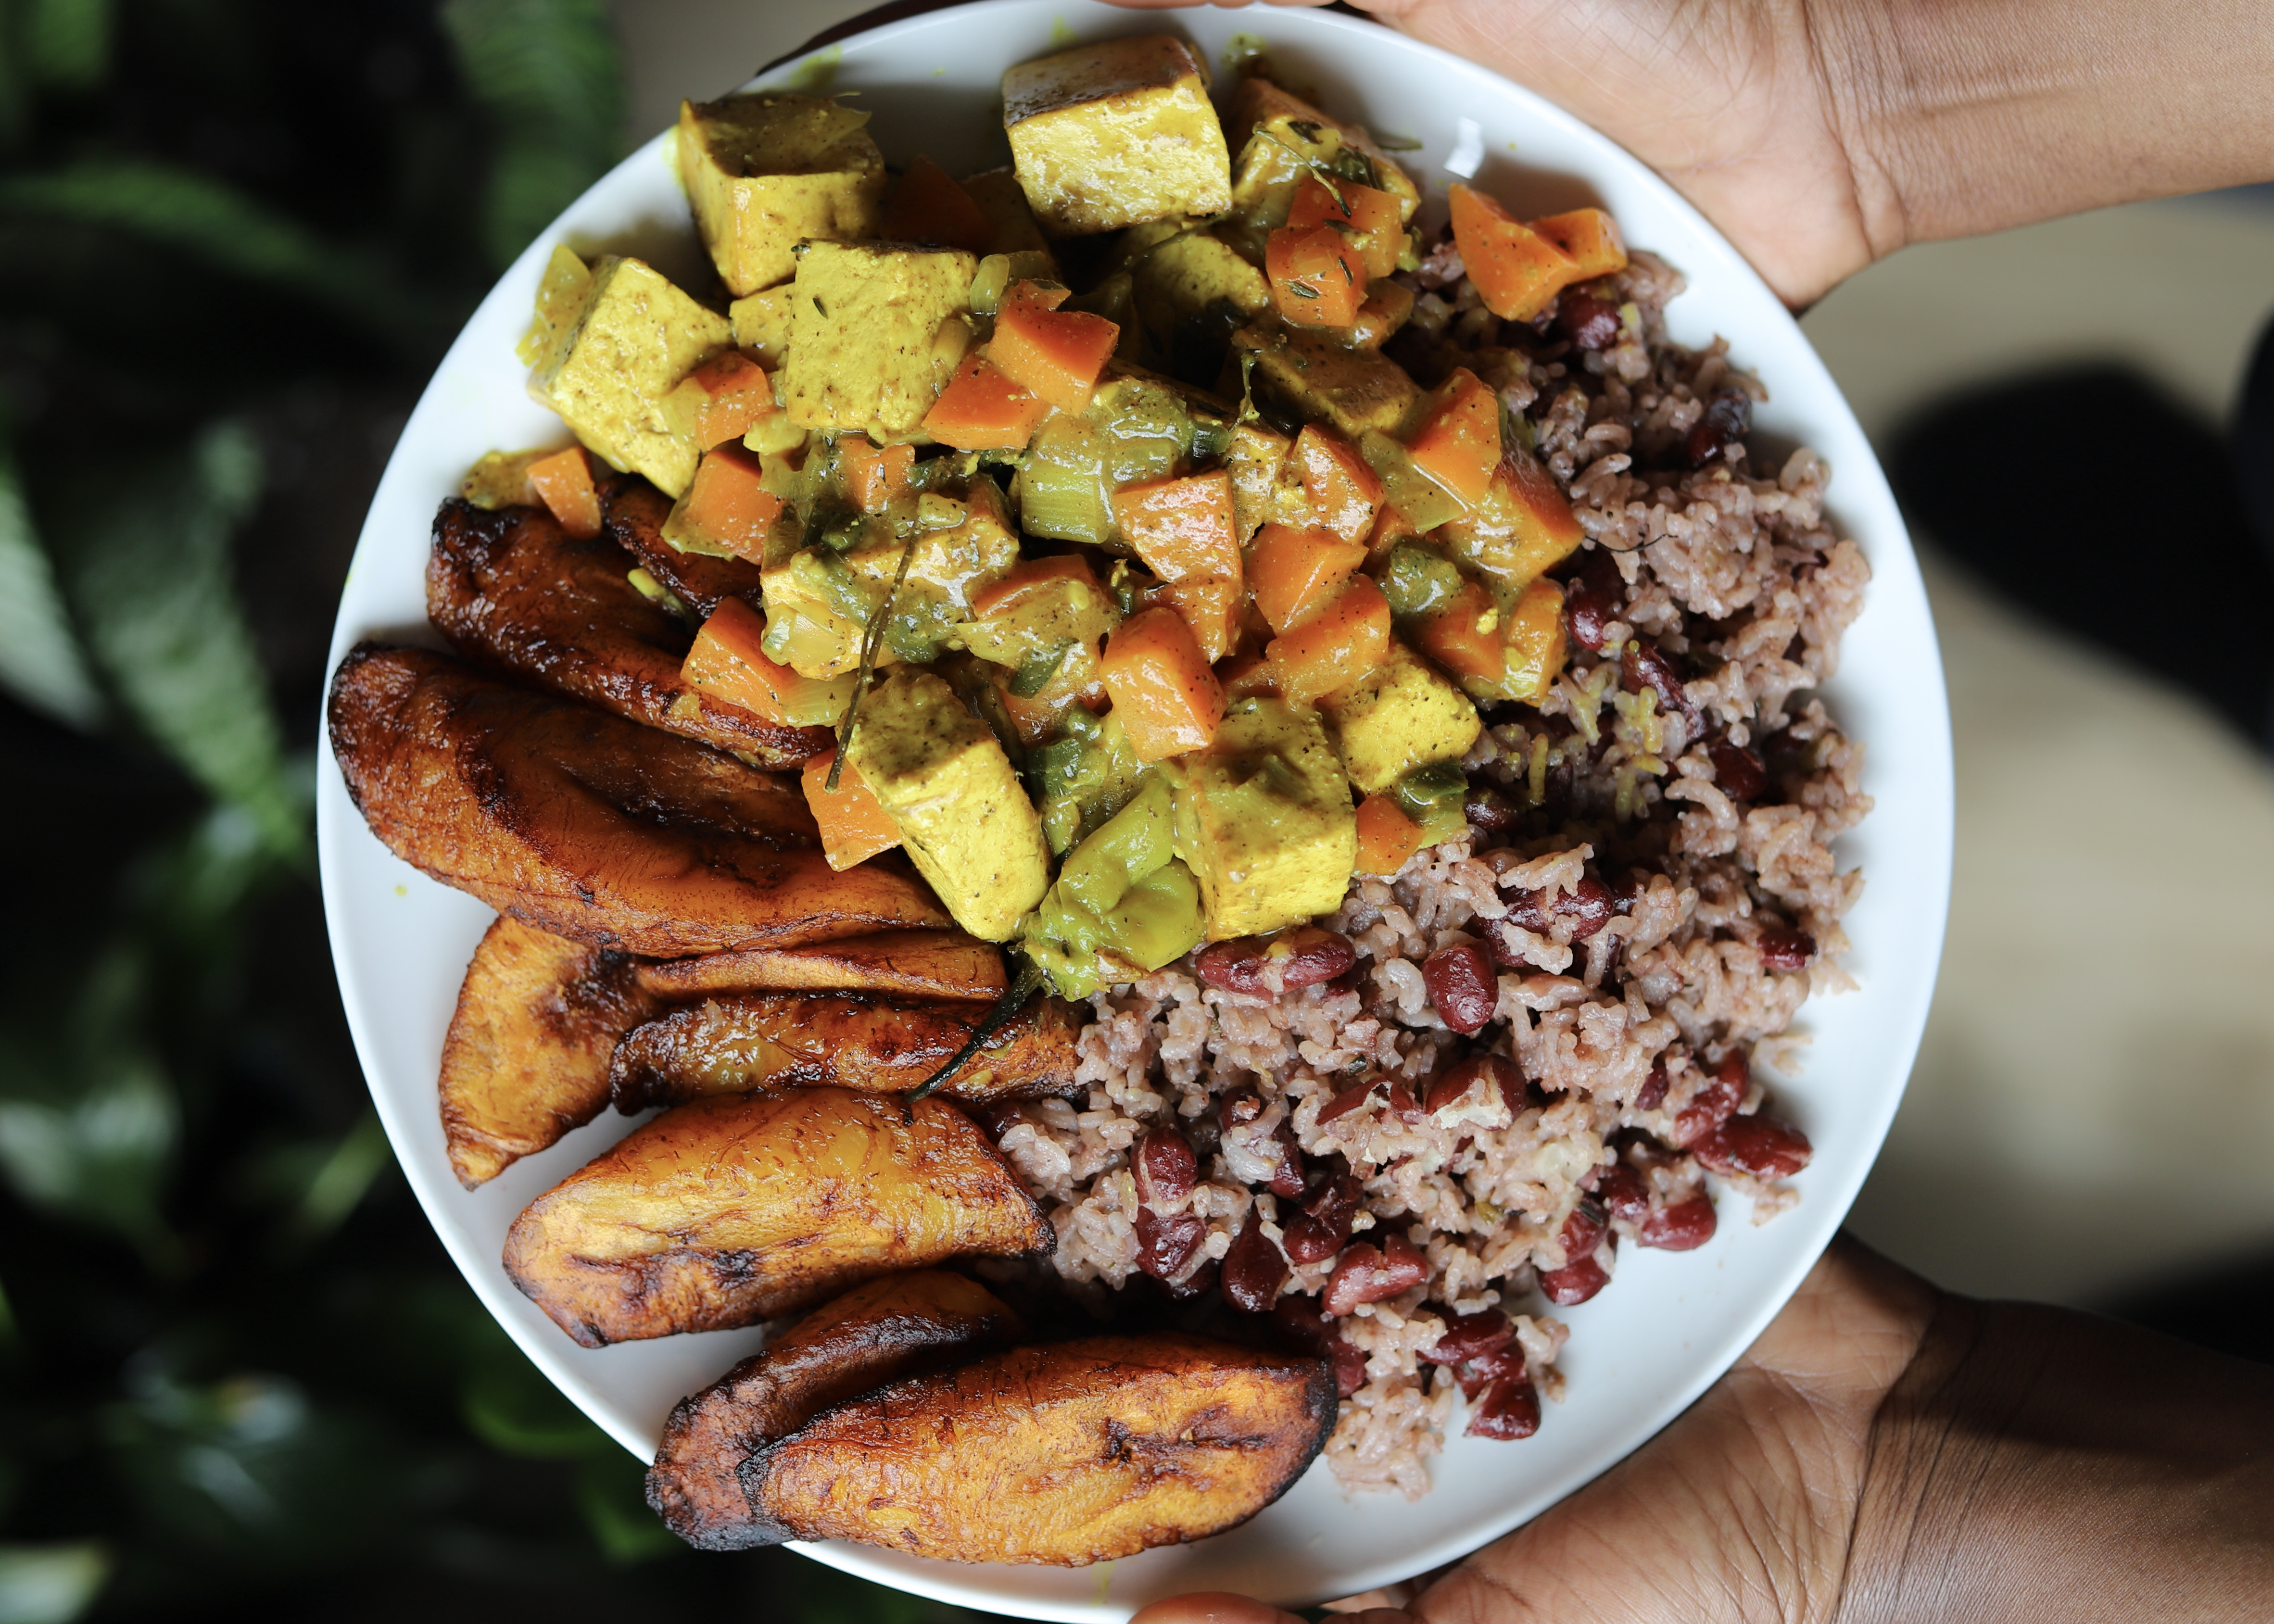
x: 592, y: 827
x: 847, y: 1041
x: 904, y: 1324
x: 918, y: 964
x: 527, y: 1055
x: 1069, y: 1453
x: 730, y: 1211
x: 633, y: 516
x: 513, y: 588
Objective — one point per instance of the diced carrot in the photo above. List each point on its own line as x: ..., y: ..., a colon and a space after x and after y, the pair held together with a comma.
x: 1036, y: 717
x: 1463, y: 634
x: 1458, y: 442
x: 1024, y: 577
x: 1293, y: 573
x: 1387, y: 838
x: 1210, y: 605
x: 926, y: 205
x: 1517, y: 271
x: 1167, y: 698
x: 563, y: 482
x: 1181, y: 527
x: 981, y: 410
x: 1590, y: 237
x: 1367, y: 215
x: 1318, y: 278
x: 1533, y: 646
x: 1246, y: 676
x: 855, y: 825
x: 1057, y: 354
x: 1342, y: 490
x: 1027, y: 294
x: 721, y: 399
x: 873, y: 476
x: 727, y: 663
x: 1390, y: 527
x: 1339, y: 644
x: 1548, y: 531
x: 726, y: 508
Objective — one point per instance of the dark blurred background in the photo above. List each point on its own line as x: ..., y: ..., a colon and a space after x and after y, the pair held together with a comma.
x: 235, y: 1369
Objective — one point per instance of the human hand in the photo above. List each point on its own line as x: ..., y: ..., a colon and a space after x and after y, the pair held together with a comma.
x: 1821, y: 135
x: 1742, y: 1508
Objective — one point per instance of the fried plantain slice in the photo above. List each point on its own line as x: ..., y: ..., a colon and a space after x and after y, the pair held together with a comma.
x: 1068, y: 1454
x: 510, y: 587
x: 632, y: 518
x: 904, y: 1324
x: 919, y: 964
x: 527, y: 1054
x: 592, y: 827
x: 730, y: 1211
x: 847, y: 1041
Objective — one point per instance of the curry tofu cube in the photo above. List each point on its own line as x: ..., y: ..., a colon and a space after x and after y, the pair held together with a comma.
x: 1401, y: 716
x: 963, y: 814
x: 1264, y: 820
x: 1307, y: 372
x: 874, y: 332
x: 1016, y: 230
x: 606, y: 373
x: 768, y: 171
x: 761, y: 323
x: 1192, y: 289
x: 1116, y: 134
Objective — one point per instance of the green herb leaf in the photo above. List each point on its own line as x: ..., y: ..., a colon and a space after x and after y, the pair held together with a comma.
x: 40, y: 658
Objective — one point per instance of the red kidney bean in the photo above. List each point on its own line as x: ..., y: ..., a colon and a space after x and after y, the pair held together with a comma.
x: 1738, y: 769
x: 1324, y: 1224
x: 1729, y: 414
x: 1165, y: 1167
x: 1298, y: 1317
x: 1348, y: 1101
x: 1489, y: 811
x: 1452, y: 1084
x: 1403, y: 1105
x: 1253, y: 1271
x: 1367, y: 1276
x: 1682, y: 1227
x: 1200, y: 1280
x: 1588, y: 905
x: 1287, y: 1179
x: 1590, y: 323
x: 1652, y: 1094
x: 1462, y: 988
x: 1585, y: 1228
x: 1626, y: 892
x: 1623, y: 1194
x: 1509, y: 1410
x: 1307, y: 955
x: 1501, y: 1363
x: 1166, y: 1245
x: 1785, y: 949
x: 1470, y: 1336
x: 1646, y: 665
x: 997, y: 1120
x: 1757, y: 1147
x: 1239, y: 1108
x: 1716, y: 1103
x: 1574, y: 1283
x: 1598, y: 597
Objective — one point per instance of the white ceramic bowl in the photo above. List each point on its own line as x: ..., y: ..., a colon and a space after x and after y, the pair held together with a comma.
x: 1670, y: 1323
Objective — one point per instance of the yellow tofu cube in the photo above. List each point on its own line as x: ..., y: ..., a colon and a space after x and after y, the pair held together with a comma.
x: 768, y: 171
x: 1401, y: 716
x: 1264, y: 820
x: 1306, y: 371
x: 607, y: 368
x: 1192, y: 289
x: 1115, y: 134
x: 1016, y: 230
x: 761, y: 323
x: 875, y: 331
x: 950, y: 790
x: 1278, y: 136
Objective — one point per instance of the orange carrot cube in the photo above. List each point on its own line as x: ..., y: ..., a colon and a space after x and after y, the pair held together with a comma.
x: 1181, y: 527
x: 1340, y: 643
x: 1344, y: 491
x: 727, y: 509
x: 563, y: 482
x: 1387, y: 838
x: 1318, y: 278
x: 1533, y: 647
x: 981, y: 410
x: 1167, y: 698
x: 1458, y: 442
x: 855, y: 825
x: 727, y: 663
x: 721, y: 399
x: 1518, y: 272
x: 1590, y: 237
x: 1056, y: 354
x: 874, y: 476
x: 1293, y: 573
x: 1463, y: 634
x: 1367, y: 217
x: 1028, y: 576
x: 926, y: 205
